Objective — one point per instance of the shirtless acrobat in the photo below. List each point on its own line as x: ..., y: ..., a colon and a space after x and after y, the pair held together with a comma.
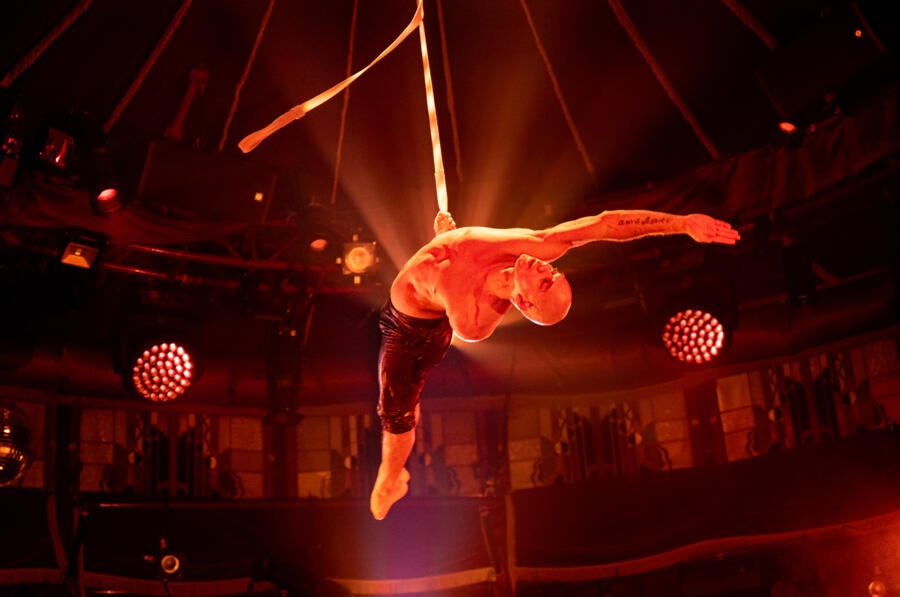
x: 462, y: 282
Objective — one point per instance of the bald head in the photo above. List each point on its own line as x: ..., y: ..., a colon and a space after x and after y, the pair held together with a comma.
x: 542, y: 294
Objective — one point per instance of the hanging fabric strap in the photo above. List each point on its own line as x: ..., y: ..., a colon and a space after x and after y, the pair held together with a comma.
x: 36, y: 52
x: 243, y: 79
x: 250, y: 142
x: 440, y: 180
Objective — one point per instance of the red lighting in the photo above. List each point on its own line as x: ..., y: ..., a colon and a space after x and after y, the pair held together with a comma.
x: 163, y: 372
x: 787, y: 127
x: 107, y: 194
x: 858, y: 33
x: 693, y: 336
x: 108, y: 199
x: 318, y: 244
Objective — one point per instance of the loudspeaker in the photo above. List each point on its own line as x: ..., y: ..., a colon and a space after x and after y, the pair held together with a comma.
x: 183, y: 181
x: 799, y: 74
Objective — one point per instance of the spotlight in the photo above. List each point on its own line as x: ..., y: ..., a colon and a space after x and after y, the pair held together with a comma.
x: 359, y: 258
x: 80, y: 254
x: 169, y: 564
x: 694, y: 336
x: 15, y: 437
x: 58, y: 149
x: 162, y: 372
x: 106, y: 198
x: 787, y: 127
x: 318, y: 244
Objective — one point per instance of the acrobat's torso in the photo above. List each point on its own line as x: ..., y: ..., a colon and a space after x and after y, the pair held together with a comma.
x: 450, y: 276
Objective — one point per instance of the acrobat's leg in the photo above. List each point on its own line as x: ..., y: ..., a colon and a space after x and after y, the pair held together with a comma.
x: 392, y: 482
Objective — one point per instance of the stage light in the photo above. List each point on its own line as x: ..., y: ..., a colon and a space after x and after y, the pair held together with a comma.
x: 79, y: 254
x: 162, y: 372
x: 694, y: 336
x: 58, y: 149
x: 359, y: 258
x: 318, y: 244
x: 787, y: 127
x: 15, y: 439
x: 107, y: 198
x: 170, y: 564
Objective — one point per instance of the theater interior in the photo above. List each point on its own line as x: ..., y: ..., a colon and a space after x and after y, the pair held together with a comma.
x: 600, y: 456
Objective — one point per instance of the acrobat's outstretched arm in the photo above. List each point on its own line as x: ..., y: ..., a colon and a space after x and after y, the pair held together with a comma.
x: 623, y: 225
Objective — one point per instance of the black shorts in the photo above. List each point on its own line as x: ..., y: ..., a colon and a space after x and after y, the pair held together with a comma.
x: 410, y: 348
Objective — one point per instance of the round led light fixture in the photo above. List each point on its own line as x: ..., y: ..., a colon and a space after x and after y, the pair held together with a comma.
x: 163, y: 372
x: 693, y: 336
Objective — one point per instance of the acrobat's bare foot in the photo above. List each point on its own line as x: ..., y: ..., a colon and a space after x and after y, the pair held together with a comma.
x: 385, y: 494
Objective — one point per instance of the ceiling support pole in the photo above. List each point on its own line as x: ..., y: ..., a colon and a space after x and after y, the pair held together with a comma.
x: 246, y: 73
x: 644, y: 49
x: 344, y: 106
x: 48, y: 39
x: 750, y: 21
x: 559, y: 95
x: 148, y: 64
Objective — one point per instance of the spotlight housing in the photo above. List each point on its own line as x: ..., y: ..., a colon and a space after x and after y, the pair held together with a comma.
x: 106, y: 197
x: 80, y: 254
x: 359, y: 258
x: 162, y: 372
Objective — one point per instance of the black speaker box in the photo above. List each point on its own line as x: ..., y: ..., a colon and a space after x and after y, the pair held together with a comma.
x: 205, y: 185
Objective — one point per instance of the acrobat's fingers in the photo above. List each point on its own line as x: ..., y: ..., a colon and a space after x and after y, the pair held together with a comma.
x: 724, y: 233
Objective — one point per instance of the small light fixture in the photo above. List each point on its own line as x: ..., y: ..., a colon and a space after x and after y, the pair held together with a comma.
x: 58, y: 149
x: 359, y: 258
x: 107, y: 198
x: 79, y: 255
x: 787, y: 127
x: 258, y: 197
x: 318, y: 244
x: 169, y: 564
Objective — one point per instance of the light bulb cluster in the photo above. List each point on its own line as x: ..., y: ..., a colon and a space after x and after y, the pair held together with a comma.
x: 693, y: 336
x: 163, y: 372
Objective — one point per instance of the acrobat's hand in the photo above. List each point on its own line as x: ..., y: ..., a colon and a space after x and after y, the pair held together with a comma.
x: 443, y: 222
x: 705, y: 229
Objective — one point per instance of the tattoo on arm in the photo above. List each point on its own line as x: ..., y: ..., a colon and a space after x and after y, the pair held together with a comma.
x: 645, y: 221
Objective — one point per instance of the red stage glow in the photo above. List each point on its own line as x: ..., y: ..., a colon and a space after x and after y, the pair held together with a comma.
x: 318, y: 244
x: 693, y: 336
x: 163, y: 372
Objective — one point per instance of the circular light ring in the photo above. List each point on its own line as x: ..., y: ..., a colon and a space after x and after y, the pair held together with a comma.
x: 693, y: 336
x: 359, y: 259
x: 162, y: 372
